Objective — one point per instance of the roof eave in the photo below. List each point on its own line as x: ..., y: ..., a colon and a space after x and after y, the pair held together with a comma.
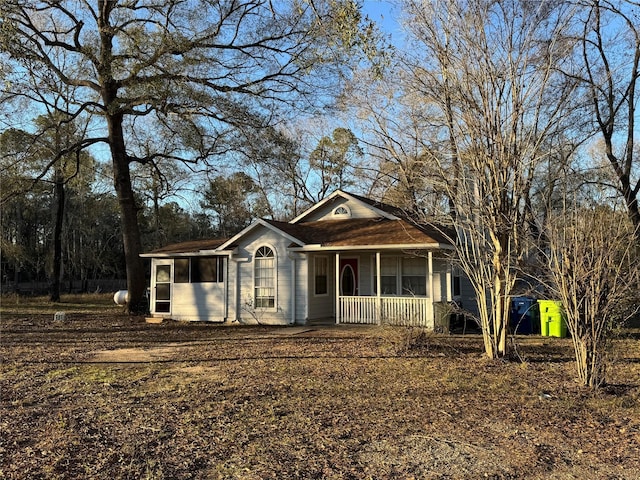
x: 408, y: 246
x: 347, y: 196
x: 256, y: 224
x: 194, y: 253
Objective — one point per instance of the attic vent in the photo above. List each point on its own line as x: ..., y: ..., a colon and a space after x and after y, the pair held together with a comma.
x: 342, y: 211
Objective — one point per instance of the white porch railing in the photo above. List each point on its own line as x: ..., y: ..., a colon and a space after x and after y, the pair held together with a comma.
x: 405, y: 311
x: 359, y: 310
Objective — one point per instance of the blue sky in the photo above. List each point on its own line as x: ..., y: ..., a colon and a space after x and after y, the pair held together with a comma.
x: 385, y: 14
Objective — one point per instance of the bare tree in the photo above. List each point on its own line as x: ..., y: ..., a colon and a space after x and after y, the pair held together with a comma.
x: 609, y: 70
x: 186, y: 73
x: 484, y: 79
x: 594, y: 270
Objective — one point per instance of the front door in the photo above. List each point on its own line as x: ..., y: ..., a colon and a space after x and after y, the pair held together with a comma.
x: 162, y: 291
x: 349, y: 277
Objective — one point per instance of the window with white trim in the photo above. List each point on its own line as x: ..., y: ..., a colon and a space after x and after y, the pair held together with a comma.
x: 199, y: 270
x: 342, y: 211
x: 414, y: 276
x: 402, y: 276
x: 388, y: 276
x: 265, y: 278
x: 321, y: 267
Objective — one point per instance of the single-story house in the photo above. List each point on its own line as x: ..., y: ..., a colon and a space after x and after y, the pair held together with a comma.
x: 347, y: 259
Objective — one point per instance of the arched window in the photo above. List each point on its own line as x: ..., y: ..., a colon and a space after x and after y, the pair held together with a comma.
x: 265, y: 278
x: 342, y: 211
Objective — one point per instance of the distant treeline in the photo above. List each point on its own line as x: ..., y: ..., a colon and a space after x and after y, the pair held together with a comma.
x: 73, y: 286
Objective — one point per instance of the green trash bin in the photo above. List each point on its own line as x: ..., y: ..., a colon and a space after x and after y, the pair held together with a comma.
x: 552, y: 322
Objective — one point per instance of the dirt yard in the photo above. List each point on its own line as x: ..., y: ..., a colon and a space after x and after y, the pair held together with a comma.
x: 104, y: 396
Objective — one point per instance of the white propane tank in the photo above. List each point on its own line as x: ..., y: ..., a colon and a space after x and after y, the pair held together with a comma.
x: 121, y: 297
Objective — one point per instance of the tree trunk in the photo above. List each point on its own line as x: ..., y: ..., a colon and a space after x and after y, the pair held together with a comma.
x: 629, y: 195
x: 633, y: 210
x: 57, y: 237
x: 590, y: 362
x: 501, y: 291
x: 136, y: 283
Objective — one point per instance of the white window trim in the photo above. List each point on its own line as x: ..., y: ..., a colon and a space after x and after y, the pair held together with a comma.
x: 399, y: 275
x: 154, y: 300
x: 220, y: 269
x: 275, y: 279
x: 326, y: 294
x: 347, y: 214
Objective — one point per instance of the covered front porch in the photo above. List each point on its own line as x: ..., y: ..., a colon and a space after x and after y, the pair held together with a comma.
x: 399, y: 288
x: 403, y: 311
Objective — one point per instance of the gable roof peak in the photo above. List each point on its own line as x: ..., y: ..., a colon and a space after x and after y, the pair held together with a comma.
x: 382, y: 209
x: 385, y: 207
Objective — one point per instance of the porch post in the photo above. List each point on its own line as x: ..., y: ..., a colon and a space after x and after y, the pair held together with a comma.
x: 337, y: 287
x: 378, y: 290
x: 432, y: 320
x: 293, y: 288
x: 449, y: 297
x: 227, y: 259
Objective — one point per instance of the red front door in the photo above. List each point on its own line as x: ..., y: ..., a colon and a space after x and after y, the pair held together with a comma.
x: 349, y: 277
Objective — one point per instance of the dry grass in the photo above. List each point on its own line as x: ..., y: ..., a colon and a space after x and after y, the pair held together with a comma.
x: 103, y: 395
x: 74, y: 303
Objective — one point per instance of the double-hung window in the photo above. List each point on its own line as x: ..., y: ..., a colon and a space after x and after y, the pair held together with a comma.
x: 321, y: 266
x: 388, y: 276
x: 414, y: 276
x: 402, y: 276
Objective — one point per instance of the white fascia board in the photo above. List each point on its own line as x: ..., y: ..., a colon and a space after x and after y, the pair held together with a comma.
x: 216, y: 252
x: 382, y: 213
x: 345, y: 195
x: 338, y: 248
x: 257, y: 223
x: 170, y: 255
x: 240, y: 234
x: 228, y: 252
x: 197, y: 253
x: 318, y: 205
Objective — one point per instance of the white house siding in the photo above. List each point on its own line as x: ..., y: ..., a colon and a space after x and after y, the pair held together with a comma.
x: 439, y: 280
x: 357, y: 209
x: 302, y: 286
x: 302, y: 304
x: 190, y: 301
x: 321, y: 306
x: 245, y: 312
x: 198, y: 301
x: 233, y: 290
x: 366, y: 266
